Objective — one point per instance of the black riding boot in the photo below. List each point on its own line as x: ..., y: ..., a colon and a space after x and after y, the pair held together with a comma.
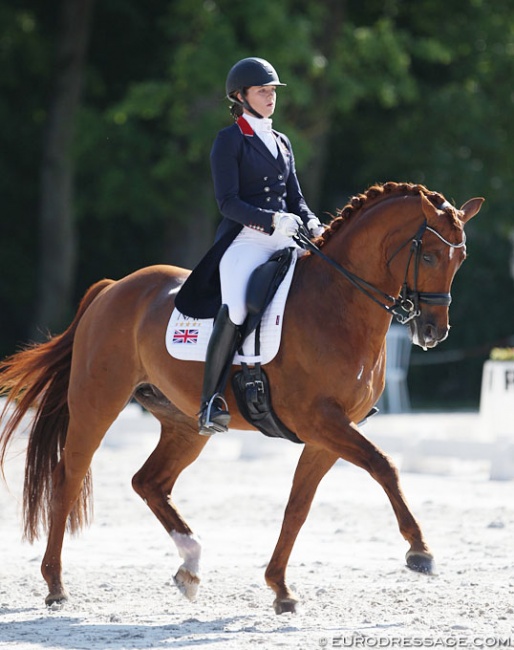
x: 214, y: 416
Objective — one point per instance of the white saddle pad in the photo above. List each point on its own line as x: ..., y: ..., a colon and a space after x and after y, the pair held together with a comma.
x: 187, y: 338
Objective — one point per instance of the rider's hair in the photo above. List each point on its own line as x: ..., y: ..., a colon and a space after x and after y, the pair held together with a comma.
x: 236, y: 110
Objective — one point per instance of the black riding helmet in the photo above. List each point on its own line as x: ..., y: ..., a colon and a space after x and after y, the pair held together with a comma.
x: 250, y: 72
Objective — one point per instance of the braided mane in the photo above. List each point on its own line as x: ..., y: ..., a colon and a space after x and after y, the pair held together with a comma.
x: 377, y: 193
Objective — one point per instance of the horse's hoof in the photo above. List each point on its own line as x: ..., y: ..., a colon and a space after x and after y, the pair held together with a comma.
x: 285, y: 606
x: 420, y: 562
x: 187, y: 583
x: 56, y: 599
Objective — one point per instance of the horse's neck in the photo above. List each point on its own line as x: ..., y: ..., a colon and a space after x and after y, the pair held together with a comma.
x: 365, y: 244
x: 332, y: 325
x: 323, y: 295
x: 362, y: 246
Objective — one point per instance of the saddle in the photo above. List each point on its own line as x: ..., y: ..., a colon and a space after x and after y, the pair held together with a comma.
x: 263, y: 285
x: 250, y: 384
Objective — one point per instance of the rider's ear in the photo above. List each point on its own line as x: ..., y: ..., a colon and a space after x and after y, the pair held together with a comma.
x: 471, y: 208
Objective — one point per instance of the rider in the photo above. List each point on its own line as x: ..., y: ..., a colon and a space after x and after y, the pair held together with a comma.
x: 260, y: 198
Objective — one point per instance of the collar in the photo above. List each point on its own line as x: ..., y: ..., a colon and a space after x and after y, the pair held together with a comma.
x: 244, y: 126
x: 259, y: 125
x: 249, y: 125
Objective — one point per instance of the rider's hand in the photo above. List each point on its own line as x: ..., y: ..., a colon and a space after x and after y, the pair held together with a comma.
x: 286, y: 223
x: 315, y: 227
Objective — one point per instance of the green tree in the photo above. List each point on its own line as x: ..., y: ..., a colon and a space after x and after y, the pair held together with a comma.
x: 376, y: 91
x: 452, y: 135
x: 57, y: 241
x: 25, y: 53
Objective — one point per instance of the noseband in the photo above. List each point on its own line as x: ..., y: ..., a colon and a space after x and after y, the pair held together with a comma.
x: 409, y: 300
x: 407, y: 306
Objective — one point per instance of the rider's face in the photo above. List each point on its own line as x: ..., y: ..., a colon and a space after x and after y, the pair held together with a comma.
x: 262, y: 99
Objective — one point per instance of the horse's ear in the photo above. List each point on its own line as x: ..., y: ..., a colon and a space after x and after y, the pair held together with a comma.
x: 429, y: 210
x: 471, y: 207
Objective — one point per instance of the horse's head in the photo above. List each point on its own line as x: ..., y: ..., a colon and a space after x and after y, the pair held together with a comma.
x: 418, y: 235
x: 437, y: 251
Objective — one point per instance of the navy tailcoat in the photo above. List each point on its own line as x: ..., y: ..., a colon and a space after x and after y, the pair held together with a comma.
x: 250, y: 185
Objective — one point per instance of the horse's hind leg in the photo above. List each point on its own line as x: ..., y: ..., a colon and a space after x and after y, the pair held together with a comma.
x: 67, y: 484
x: 314, y: 463
x: 178, y: 446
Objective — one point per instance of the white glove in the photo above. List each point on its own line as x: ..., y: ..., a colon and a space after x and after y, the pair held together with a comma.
x: 315, y: 227
x: 286, y: 223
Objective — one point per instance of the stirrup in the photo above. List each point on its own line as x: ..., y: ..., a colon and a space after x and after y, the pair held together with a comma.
x: 213, y: 419
x: 373, y: 411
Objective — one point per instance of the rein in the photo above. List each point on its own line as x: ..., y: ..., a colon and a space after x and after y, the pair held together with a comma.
x: 406, y: 306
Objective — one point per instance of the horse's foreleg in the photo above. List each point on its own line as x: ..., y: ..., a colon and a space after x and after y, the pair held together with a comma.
x: 178, y: 446
x: 381, y: 468
x: 352, y: 446
x: 314, y: 463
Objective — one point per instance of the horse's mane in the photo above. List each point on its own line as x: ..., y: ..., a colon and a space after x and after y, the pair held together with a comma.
x: 377, y: 193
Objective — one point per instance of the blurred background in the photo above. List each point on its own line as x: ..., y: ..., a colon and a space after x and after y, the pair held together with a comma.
x: 109, y: 109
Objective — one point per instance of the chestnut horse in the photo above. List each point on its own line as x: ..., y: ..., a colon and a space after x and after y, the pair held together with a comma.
x: 392, y: 251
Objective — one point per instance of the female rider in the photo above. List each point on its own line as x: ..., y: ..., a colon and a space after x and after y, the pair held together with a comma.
x: 259, y: 196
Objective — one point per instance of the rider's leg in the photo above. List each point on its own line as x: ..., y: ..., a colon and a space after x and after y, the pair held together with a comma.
x: 214, y: 415
x: 248, y: 250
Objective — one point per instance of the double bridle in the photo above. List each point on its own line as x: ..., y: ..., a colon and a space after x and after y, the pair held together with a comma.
x: 406, y: 306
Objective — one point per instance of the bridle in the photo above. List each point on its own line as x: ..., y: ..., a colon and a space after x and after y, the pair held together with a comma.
x: 406, y: 306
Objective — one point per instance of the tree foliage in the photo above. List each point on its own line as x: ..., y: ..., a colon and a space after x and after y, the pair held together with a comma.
x: 377, y: 91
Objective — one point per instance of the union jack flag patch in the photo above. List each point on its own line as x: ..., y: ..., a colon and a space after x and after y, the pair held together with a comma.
x: 187, y: 336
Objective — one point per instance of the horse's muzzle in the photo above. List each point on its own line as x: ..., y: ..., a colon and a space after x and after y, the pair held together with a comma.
x: 426, y: 333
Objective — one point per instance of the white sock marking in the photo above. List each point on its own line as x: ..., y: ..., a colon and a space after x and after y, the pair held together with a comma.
x: 189, y: 549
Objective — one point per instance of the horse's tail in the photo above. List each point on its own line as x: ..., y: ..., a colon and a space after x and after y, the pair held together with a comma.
x: 38, y: 376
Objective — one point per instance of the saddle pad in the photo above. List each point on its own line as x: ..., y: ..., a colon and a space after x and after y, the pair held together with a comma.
x: 187, y: 338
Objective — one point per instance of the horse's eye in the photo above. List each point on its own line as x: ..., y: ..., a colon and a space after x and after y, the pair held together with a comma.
x: 428, y: 258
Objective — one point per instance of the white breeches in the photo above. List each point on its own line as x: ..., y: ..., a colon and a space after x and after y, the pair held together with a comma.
x: 248, y: 250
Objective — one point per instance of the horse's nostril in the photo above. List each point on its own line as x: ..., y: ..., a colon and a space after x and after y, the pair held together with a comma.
x: 430, y: 332
x: 434, y: 334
